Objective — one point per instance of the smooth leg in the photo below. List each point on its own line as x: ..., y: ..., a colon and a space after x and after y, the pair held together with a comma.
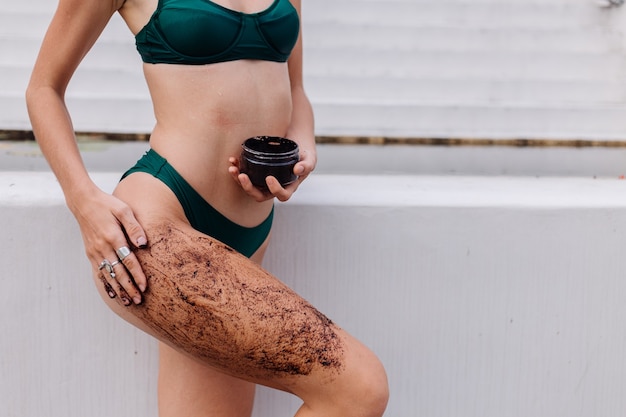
x: 191, y: 389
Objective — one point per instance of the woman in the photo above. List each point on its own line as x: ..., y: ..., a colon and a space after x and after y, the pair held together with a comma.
x: 218, y: 73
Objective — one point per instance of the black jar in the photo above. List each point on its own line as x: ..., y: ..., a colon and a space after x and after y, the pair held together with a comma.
x: 263, y: 156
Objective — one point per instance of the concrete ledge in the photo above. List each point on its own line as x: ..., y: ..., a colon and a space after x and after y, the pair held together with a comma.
x: 41, y: 188
x: 484, y: 296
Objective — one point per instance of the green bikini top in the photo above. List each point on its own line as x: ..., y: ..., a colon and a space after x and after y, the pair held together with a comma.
x: 203, y: 32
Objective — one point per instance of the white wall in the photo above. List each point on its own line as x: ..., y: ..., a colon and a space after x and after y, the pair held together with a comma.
x: 484, y: 296
x: 416, y: 68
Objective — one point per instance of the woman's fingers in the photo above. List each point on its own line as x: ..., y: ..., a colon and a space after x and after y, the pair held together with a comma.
x: 110, y: 232
x: 128, y: 288
x: 130, y: 262
x: 107, y: 287
x: 108, y: 276
x: 274, y: 189
x: 133, y: 273
x: 131, y: 226
x: 277, y: 190
x: 118, y: 282
x: 254, y: 192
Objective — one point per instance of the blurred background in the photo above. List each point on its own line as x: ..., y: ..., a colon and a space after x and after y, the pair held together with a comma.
x: 466, y: 219
x: 446, y: 69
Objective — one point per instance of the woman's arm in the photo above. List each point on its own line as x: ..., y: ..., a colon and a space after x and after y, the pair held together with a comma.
x: 302, y: 126
x: 301, y: 130
x: 74, y: 29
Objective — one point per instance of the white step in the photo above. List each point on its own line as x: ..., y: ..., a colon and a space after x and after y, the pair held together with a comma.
x: 480, y: 14
x: 493, y: 122
x: 466, y: 91
x: 461, y: 39
x: 516, y: 68
x: 89, y: 114
x: 447, y: 64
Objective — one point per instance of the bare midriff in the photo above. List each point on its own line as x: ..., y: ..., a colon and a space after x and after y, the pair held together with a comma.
x: 205, y: 112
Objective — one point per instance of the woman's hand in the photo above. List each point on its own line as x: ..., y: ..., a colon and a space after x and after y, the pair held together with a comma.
x: 110, y: 231
x: 302, y: 169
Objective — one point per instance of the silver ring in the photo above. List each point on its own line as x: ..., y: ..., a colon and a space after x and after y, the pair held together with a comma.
x: 115, y: 263
x: 123, y: 252
x: 105, y: 264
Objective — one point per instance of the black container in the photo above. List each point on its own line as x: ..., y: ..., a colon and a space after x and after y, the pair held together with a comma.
x: 263, y: 156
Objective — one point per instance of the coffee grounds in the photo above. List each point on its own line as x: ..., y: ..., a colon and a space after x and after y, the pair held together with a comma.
x: 218, y: 306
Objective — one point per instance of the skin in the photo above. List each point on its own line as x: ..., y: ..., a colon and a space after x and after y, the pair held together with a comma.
x: 224, y: 324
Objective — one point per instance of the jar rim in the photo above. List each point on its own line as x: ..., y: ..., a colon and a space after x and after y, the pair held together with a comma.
x: 270, y: 146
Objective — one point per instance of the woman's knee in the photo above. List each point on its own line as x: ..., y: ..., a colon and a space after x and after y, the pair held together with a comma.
x: 371, y: 390
x: 360, y: 390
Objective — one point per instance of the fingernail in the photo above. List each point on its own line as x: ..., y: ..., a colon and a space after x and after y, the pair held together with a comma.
x: 126, y: 301
x: 109, y: 290
x: 142, y: 288
x: 141, y: 242
x: 137, y: 300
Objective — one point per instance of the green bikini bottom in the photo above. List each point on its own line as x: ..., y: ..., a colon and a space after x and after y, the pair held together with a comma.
x: 201, y: 215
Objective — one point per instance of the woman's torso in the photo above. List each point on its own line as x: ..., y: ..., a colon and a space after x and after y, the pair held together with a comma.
x: 204, y: 112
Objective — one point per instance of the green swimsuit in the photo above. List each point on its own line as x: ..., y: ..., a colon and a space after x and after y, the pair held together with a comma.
x: 203, y: 32
x: 201, y: 215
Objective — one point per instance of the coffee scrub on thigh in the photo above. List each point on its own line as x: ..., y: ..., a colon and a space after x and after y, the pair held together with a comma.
x: 220, y: 307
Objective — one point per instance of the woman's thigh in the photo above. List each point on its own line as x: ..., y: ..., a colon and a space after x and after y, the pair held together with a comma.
x: 190, y: 388
x: 218, y: 307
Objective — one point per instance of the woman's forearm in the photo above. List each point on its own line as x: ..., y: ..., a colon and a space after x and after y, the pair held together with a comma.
x: 302, y: 128
x: 53, y: 130
x: 73, y: 30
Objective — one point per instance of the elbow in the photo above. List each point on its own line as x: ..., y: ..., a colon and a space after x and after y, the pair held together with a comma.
x: 32, y: 94
x: 37, y: 91
x: 29, y: 94
x: 30, y: 98
x: 40, y: 98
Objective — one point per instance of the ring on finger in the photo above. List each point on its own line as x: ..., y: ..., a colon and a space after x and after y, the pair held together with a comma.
x: 105, y: 264
x: 123, y: 252
x: 112, y: 273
